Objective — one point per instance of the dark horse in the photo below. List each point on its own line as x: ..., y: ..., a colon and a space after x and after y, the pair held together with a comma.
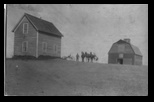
x: 87, y: 56
x: 93, y: 57
x: 82, y: 56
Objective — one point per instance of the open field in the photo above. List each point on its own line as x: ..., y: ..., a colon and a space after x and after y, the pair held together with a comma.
x: 59, y: 77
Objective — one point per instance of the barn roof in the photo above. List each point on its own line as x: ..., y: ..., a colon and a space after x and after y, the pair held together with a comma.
x: 135, y: 49
x: 42, y: 25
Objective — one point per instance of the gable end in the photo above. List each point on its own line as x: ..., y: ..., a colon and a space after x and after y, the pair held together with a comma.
x: 21, y: 20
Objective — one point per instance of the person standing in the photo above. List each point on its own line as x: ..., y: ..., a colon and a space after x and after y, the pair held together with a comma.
x: 77, y: 57
x: 82, y: 56
x: 91, y: 56
x: 86, y: 56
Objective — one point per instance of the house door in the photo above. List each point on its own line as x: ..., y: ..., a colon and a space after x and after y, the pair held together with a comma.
x: 120, y: 61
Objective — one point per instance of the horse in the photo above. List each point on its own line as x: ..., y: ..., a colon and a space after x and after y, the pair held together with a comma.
x: 87, y: 56
x: 95, y: 57
x: 91, y: 56
x: 82, y: 56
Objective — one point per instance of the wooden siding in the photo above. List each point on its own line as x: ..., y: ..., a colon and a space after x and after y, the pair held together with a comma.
x: 127, y: 58
x: 31, y: 46
x: 137, y: 60
x: 128, y: 61
x: 19, y: 38
x: 19, y: 30
x: 112, y: 58
x: 53, y: 45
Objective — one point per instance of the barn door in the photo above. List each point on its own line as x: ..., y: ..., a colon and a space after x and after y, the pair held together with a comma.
x: 120, y: 61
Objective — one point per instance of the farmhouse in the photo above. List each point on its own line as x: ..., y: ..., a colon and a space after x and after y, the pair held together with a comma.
x: 34, y: 36
x: 123, y: 52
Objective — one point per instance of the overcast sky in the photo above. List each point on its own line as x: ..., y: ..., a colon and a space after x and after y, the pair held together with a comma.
x: 88, y: 27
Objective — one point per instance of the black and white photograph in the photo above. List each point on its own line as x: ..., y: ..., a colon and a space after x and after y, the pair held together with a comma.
x: 76, y: 49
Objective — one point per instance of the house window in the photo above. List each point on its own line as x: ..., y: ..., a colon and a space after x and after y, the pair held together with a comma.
x: 44, y: 47
x: 55, y: 49
x: 25, y: 46
x: 25, y: 28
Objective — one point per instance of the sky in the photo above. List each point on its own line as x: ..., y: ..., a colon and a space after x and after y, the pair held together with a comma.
x: 88, y: 27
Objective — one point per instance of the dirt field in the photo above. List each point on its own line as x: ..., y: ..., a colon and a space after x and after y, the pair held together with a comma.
x: 58, y: 77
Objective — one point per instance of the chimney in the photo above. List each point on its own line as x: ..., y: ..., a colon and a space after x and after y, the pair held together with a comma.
x: 127, y: 40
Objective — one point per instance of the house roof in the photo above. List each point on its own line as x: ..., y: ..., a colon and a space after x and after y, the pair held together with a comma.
x: 42, y: 25
x: 135, y: 49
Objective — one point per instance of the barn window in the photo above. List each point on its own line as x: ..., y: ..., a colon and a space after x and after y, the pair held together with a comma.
x: 25, y: 28
x: 25, y: 46
x: 44, y: 47
x: 121, y: 55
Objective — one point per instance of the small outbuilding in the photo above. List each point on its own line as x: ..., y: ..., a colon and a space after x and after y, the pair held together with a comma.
x: 123, y: 52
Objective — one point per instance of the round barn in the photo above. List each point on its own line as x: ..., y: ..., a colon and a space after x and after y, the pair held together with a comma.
x: 123, y: 52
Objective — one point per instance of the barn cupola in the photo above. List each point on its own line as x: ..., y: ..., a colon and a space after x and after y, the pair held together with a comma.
x: 127, y: 40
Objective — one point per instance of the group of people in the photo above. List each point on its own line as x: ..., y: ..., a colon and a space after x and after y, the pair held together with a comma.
x: 87, y: 57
